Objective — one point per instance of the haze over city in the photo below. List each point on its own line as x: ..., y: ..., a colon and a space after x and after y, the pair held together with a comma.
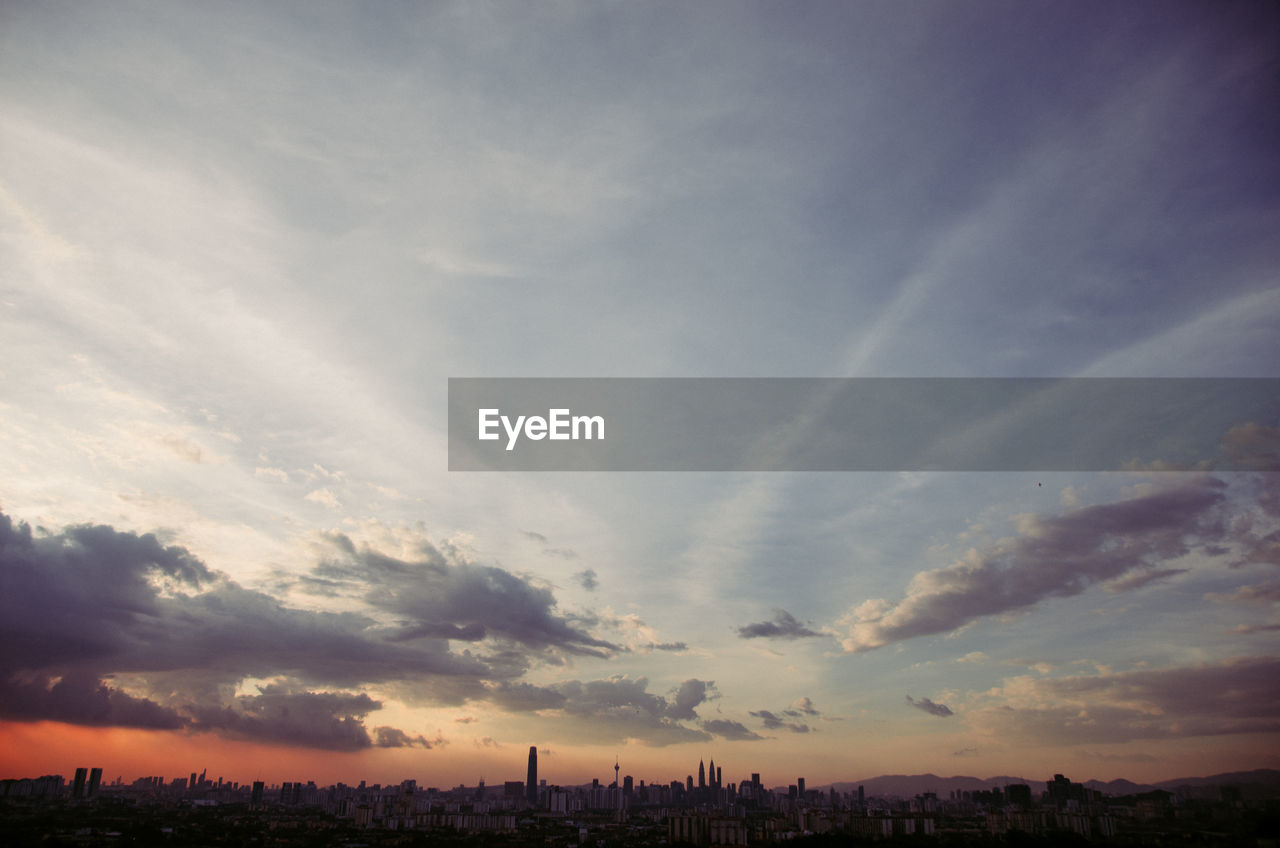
x: 245, y: 248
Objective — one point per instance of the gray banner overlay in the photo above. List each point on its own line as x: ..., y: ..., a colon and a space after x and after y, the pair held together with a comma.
x: 864, y: 424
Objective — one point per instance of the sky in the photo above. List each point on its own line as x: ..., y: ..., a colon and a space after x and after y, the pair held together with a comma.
x: 243, y: 248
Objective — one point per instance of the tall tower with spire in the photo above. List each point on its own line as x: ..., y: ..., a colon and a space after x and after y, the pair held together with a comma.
x: 702, y: 775
x: 714, y: 785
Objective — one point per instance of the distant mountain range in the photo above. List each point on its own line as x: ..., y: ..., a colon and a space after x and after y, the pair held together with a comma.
x: 1257, y: 783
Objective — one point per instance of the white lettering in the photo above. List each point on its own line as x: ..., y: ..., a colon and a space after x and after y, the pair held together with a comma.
x: 587, y: 422
x: 513, y: 433
x: 558, y: 426
x: 487, y: 422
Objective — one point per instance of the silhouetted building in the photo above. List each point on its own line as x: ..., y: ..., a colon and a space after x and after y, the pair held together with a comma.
x: 77, y: 788
x: 531, y: 779
x: 1018, y: 794
x: 702, y: 775
x: 256, y: 798
x: 95, y: 780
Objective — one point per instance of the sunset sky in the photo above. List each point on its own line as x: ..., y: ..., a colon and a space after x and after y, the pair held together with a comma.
x: 242, y: 250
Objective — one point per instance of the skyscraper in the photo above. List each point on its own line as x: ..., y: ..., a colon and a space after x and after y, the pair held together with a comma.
x: 77, y: 788
x: 702, y: 775
x: 531, y: 781
x: 95, y: 778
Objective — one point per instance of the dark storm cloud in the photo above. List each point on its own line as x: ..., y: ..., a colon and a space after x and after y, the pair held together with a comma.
x: 928, y: 706
x: 327, y: 720
x: 1051, y: 557
x: 732, y: 730
x: 1210, y: 699
x: 90, y: 604
x: 783, y: 626
x: 80, y: 698
x: 439, y: 589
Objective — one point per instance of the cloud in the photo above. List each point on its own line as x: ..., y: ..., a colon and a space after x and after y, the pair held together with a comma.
x: 1252, y: 446
x: 783, y: 626
x: 149, y: 636
x: 390, y: 737
x: 928, y: 706
x: 1138, y: 579
x: 325, y: 720
x: 81, y: 698
x: 732, y: 730
x: 1255, y: 628
x: 1051, y: 557
x: 690, y: 695
x: 613, y: 709
x: 805, y: 705
x: 587, y: 579
x: 324, y: 497
x: 772, y: 721
x: 636, y: 635
x: 439, y: 594
x: 1208, y: 699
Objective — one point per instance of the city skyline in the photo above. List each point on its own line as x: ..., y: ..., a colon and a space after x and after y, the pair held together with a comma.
x: 245, y: 249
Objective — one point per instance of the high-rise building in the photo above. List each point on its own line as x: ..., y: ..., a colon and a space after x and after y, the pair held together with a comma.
x: 800, y: 786
x: 256, y: 797
x: 77, y: 788
x: 702, y: 775
x: 531, y: 779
